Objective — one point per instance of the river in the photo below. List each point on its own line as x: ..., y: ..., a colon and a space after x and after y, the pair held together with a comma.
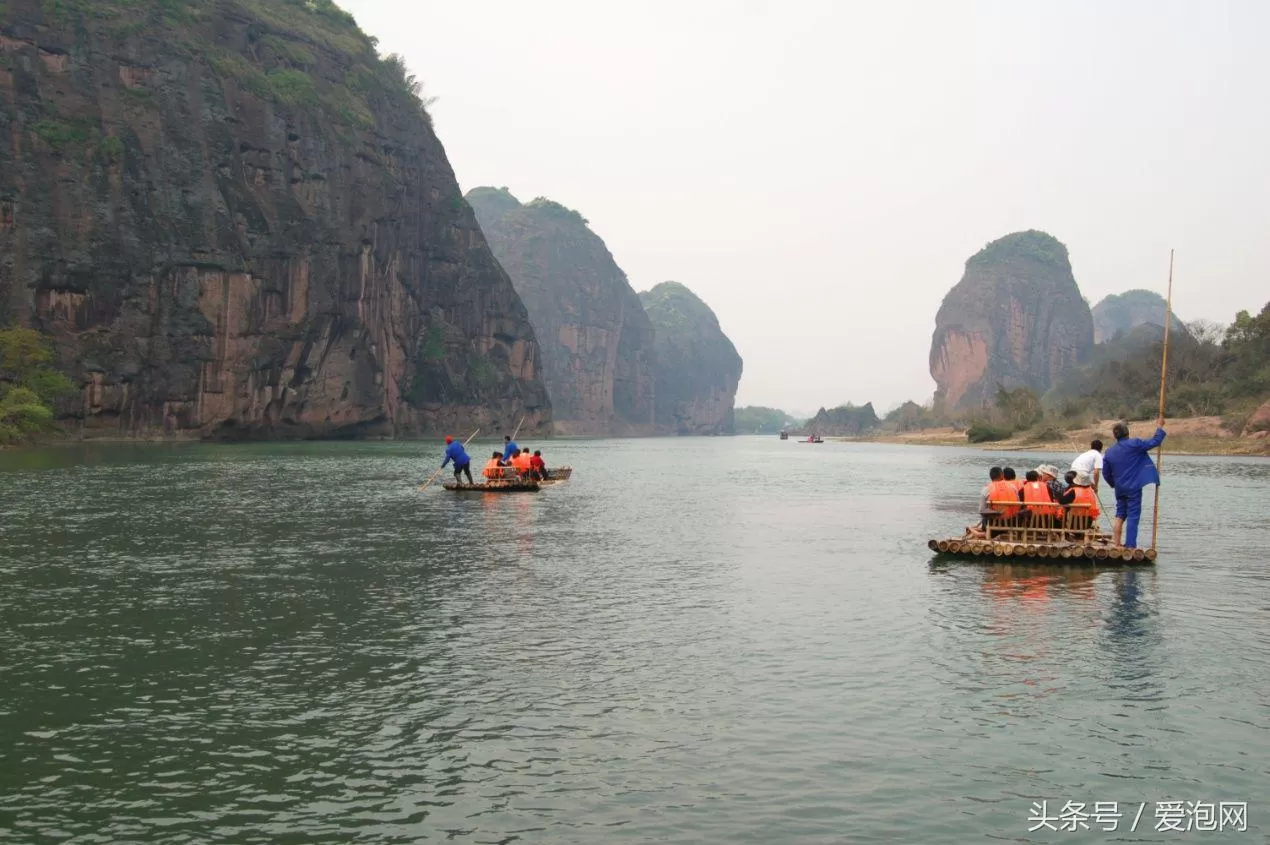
x: 694, y: 640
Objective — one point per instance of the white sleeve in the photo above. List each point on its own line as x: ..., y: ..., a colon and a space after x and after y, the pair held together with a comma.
x: 1098, y: 460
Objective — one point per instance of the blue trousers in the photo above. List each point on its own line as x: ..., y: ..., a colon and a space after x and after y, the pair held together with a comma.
x: 1129, y: 508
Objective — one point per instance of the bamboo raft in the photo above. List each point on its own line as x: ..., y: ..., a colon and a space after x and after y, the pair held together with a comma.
x: 557, y: 475
x: 1073, y: 538
x: 495, y: 485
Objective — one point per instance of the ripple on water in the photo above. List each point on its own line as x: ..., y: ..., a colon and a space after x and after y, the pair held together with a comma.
x: 288, y: 643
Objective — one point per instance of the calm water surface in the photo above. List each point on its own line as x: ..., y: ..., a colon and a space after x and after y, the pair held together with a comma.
x: 696, y: 640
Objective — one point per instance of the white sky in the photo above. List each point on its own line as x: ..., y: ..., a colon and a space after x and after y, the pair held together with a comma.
x: 819, y: 172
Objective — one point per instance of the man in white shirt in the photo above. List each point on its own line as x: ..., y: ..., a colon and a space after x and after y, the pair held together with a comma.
x: 1090, y: 462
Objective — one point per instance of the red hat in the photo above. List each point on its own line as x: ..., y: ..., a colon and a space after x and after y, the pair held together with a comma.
x: 449, y: 439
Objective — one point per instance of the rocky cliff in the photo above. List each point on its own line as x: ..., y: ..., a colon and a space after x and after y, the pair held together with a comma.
x: 1122, y: 313
x: 698, y: 368
x: 1016, y: 318
x: 843, y: 421
x: 597, y: 343
x: 236, y: 220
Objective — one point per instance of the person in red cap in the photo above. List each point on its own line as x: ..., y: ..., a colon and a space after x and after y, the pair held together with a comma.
x: 462, y: 463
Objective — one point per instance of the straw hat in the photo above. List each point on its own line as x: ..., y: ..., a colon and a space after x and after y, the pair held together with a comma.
x: 1048, y: 469
x: 1082, y: 480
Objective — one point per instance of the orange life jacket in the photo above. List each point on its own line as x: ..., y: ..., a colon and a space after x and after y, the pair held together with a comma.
x: 1086, y: 496
x: 521, y: 463
x: 492, y: 469
x: 1018, y: 486
x: 1036, y: 495
x: 1003, y: 491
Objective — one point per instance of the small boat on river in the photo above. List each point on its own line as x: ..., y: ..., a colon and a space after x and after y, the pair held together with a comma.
x: 1072, y: 538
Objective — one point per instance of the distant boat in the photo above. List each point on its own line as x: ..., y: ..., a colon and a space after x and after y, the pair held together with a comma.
x: 784, y: 435
x: 813, y: 438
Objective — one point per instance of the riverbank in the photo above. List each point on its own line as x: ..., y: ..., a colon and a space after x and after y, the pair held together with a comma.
x: 1187, y: 436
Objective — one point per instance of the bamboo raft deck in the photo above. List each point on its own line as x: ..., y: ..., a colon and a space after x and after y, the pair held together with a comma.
x: 1073, y: 538
x: 557, y: 475
x: 510, y: 485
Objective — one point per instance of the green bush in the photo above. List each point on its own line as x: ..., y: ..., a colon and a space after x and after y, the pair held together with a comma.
x: 60, y: 134
x: 987, y: 432
x: 112, y: 149
x: 293, y: 87
x: 27, y: 384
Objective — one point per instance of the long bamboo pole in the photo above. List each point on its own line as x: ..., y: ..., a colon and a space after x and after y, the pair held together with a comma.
x: 1164, y: 369
x: 517, y: 431
x: 438, y: 472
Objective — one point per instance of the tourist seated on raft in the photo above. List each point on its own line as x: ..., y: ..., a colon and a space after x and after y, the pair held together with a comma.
x: 1083, y: 518
x: 537, y: 466
x: 991, y: 499
x: 520, y: 461
x: 1008, y: 475
x: 494, y: 467
x: 1038, y: 502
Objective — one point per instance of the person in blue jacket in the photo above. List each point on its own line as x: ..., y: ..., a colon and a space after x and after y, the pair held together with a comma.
x: 1128, y: 468
x: 462, y: 463
x: 509, y: 447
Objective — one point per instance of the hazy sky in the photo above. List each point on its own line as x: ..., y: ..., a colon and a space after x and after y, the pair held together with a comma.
x: 819, y: 172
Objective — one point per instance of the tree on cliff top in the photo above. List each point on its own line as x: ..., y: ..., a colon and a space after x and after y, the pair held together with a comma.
x: 1033, y: 244
x: 28, y: 385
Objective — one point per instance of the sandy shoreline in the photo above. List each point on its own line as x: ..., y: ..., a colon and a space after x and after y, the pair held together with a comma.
x: 1188, y: 436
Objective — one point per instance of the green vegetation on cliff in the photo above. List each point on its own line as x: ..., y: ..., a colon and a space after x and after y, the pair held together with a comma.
x: 28, y: 385
x: 1032, y: 244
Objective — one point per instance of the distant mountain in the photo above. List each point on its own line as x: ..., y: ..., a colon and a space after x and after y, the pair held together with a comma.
x: 596, y: 340
x: 756, y: 419
x: 698, y: 368
x: 1122, y: 313
x: 844, y: 421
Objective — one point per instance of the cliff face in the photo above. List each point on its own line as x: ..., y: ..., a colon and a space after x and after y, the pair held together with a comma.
x: 698, y: 368
x: 236, y: 220
x: 1122, y: 313
x: 843, y: 421
x: 1015, y: 318
x: 597, y: 343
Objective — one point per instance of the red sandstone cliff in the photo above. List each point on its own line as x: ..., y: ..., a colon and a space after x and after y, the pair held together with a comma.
x: 1016, y: 318
x: 597, y: 342
x: 236, y: 220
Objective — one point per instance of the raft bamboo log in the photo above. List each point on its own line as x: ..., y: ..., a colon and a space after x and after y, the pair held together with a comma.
x: 1164, y: 370
x: 998, y: 550
x: 933, y: 545
x: 1139, y: 554
x: 1151, y: 555
x: 942, y: 545
x: 1100, y: 553
x: 438, y: 472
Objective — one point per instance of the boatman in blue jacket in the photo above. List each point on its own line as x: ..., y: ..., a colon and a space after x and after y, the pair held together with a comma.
x: 1128, y: 468
x: 462, y: 463
x: 509, y: 447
